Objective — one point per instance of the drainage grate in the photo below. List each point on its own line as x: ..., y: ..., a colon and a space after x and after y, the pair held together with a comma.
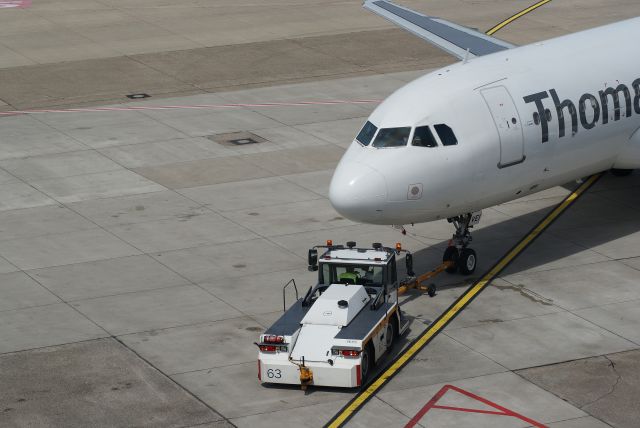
x: 237, y: 139
x: 138, y: 96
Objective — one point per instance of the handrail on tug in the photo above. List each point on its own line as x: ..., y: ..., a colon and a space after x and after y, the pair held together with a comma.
x: 284, y: 301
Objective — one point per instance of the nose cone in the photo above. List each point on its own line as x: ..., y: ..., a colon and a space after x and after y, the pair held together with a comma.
x: 358, y: 192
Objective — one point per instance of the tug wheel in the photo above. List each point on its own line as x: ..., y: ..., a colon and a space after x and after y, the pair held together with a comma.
x: 390, y: 334
x: 468, y: 261
x: 366, y: 364
x: 451, y: 255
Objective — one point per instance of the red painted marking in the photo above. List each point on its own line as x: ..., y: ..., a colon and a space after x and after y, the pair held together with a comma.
x: 190, y: 107
x: 22, y: 4
x: 501, y: 411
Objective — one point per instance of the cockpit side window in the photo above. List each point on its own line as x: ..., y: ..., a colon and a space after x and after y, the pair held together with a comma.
x: 446, y: 135
x: 366, y: 133
x: 423, y: 137
x: 392, y: 137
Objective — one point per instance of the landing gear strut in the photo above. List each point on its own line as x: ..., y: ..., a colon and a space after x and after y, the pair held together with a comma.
x: 464, y: 259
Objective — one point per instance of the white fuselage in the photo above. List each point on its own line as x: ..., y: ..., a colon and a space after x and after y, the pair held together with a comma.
x: 502, y: 150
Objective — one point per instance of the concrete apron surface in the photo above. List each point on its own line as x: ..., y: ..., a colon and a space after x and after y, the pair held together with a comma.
x: 141, y: 255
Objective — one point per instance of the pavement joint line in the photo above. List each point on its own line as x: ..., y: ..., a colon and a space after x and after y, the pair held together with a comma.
x: 172, y: 380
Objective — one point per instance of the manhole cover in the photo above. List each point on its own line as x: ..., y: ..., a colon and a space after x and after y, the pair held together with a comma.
x: 243, y: 141
x: 237, y: 139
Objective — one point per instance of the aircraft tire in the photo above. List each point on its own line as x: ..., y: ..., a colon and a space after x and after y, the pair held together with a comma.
x: 468, y: 261
x: 451, y: 255
x: 621, y: 172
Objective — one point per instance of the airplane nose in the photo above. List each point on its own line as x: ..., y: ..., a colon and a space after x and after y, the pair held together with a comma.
x: 358, y: 192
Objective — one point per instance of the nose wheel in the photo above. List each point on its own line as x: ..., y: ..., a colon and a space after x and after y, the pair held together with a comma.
x: 464, y: 258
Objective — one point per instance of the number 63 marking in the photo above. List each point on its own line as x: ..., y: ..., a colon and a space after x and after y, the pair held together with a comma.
x: 274, y: 374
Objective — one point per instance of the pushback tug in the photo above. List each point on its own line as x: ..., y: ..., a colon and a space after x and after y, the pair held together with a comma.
x: 336, y: 333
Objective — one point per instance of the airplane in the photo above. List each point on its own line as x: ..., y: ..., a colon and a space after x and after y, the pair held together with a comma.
x: 502, y: 123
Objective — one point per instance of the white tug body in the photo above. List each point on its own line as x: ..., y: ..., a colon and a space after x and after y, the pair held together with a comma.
x: 335, y: 334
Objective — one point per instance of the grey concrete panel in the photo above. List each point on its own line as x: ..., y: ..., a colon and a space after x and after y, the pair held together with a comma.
x: 20, y: 195
x: 259, y: 294
x: 606, y: 387
x: 172, y: 234
x: 155, y: 309
x: 140, y: 131
x: 283, y: 137
x: 444, y: 360
x: 203, y: 172
x: 546, y: 339
x: 220, y: 122
x: 23, y: 136
x: 132, y: 209
x: 616, y: 240
x: 239, y: 382
x: 217, y: 262
x: 301, y: 217
x: 6, y: 267
x: 106, y: 277
x: 198, y: 347
x: 299, y: 160
x: 38, y: 221
x: 249, y: 194
x: 44, y: 326
x: 94, y: 186
x: 166, y: 152
x: 316, y: 181
x: 505, y: 389
x: 583, y: 286
x: 503, y: 301
x: 588, y: 422
x: 340, y: 132
x: 19, y: 291
x: 619, y: 318
x: 97, y: 383
x: 549, y: 253
x: 66, y: 248
x: 6, y: 178
x: 59, y: 166
x: 314, y: 415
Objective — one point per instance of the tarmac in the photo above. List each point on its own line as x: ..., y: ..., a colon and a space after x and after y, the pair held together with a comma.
x: 142, y: 253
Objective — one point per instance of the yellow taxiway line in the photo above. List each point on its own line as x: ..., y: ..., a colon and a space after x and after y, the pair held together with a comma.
x: 438, y: 325
x: 516, y: 16
x: 458, y: 306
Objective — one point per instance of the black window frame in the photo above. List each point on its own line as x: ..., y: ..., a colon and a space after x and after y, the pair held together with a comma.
x: 431, y: 137
x: 368, y: 124
x: 445, y: 129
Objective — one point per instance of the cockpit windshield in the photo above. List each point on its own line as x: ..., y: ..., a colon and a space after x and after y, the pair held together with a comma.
x: 392, y: 137
x: 367, y: 133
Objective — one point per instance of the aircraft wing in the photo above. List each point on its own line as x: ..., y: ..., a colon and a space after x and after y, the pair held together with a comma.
x: 452, y: 38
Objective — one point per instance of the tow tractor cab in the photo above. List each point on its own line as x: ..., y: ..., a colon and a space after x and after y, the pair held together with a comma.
x: 336, y: 333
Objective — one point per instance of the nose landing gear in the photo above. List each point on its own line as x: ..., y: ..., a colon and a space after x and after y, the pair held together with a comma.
x: 464, y: 259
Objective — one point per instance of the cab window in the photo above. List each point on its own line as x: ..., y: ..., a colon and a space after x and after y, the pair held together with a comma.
x: 352, y: 274
x: 423, y: 137
x: 392, y: 137
x: 366, y: 133
x: 446, y: 135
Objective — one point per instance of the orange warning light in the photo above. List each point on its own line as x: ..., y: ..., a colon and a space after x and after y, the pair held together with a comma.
x: 329, y: 243
x: 398, y: 246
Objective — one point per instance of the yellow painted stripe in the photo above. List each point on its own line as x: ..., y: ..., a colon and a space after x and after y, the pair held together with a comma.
x: 454, y: 310
x: 516, y: 16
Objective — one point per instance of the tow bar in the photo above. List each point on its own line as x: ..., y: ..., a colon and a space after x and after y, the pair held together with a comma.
x: 416, y: 283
